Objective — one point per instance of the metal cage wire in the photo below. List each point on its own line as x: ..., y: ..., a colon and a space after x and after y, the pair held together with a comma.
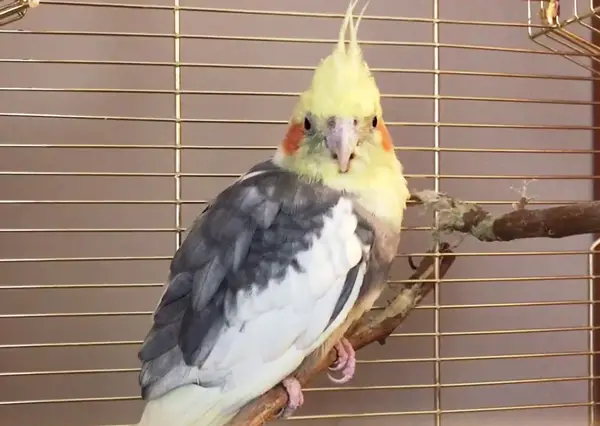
x: 437, y: 413
x: 565, y: 34
x: 15, y: 10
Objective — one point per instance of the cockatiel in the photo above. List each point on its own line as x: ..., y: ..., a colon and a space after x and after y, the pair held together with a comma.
x: 285, y: 260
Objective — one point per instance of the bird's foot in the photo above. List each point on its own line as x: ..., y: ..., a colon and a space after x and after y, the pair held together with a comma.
x: 295, y: 397
x: 346, y: 361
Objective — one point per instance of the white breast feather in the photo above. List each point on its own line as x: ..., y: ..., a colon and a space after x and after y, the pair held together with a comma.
x: 286, y: 321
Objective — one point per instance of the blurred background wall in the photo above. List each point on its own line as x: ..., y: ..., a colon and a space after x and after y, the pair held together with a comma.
x: 109, y: 147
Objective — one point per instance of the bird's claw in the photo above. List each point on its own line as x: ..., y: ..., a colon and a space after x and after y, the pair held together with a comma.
x: 346, y: 362
x: 342, y: 358
x: 295, y: 397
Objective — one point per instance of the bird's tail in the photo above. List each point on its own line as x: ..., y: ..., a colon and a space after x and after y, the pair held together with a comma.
x: 191, y: 405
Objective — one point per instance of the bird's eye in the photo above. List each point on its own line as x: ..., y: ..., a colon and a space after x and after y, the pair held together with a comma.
x: 355, y: 121
x: 374, y: 123
x: 307, y: 124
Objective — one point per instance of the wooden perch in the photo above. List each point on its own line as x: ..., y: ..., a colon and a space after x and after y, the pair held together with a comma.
x: 469, y: 218
x: 454, y: 216
x: 376, y: 329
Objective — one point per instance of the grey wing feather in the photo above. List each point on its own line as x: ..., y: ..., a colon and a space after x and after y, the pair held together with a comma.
x: 346, y: 290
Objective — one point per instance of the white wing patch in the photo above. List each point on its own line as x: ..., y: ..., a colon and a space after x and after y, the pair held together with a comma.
x: 278, y: 326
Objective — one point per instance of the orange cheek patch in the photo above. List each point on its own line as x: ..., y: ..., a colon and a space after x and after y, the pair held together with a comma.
x: 292, y: 139
x: 386, y: 138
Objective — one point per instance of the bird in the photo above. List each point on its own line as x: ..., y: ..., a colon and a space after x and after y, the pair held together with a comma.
x: 284, y: 261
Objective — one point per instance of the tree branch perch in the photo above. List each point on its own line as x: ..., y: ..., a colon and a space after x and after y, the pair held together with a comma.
x: 469, y: 218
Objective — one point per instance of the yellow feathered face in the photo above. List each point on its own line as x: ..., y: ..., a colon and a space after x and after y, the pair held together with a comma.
x: 336, y: 131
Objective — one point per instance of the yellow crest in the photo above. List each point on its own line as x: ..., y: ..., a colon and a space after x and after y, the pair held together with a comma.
x: 342, y: 84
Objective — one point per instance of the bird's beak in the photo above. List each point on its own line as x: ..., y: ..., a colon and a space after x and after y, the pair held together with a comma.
x: 342, y: 137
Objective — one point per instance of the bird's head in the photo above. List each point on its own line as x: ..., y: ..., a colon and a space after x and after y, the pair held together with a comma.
x: 336, y: 133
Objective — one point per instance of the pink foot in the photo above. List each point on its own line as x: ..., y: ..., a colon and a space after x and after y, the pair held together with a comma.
x: 346, y: 361
x: 295, y: 396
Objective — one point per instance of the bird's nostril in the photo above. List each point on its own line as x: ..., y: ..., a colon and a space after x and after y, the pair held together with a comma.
x: 335, y: 157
